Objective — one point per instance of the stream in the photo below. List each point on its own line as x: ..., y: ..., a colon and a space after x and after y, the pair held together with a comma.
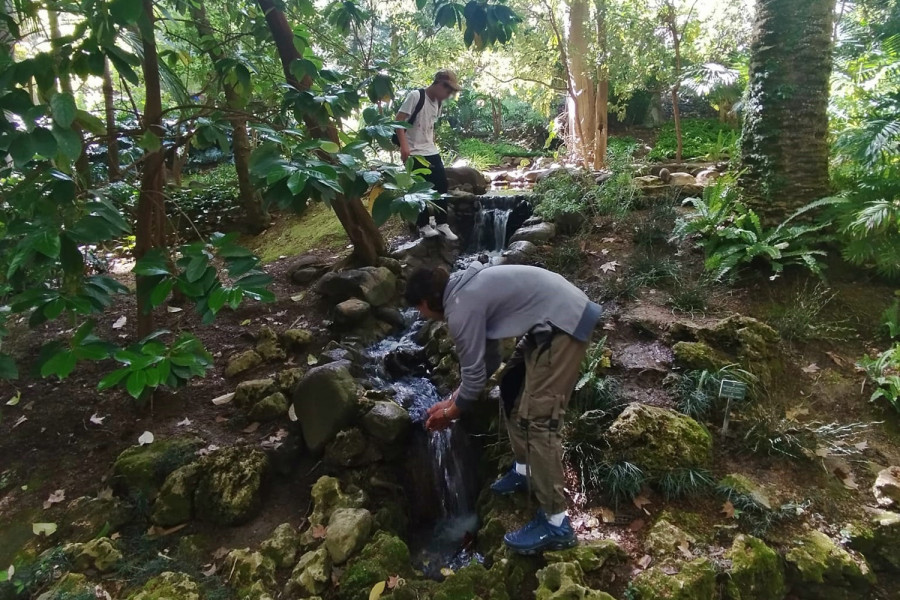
x: 443, y: 482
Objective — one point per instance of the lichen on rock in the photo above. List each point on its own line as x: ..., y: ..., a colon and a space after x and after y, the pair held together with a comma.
x: 820, y: 569
x: 387, y: 421
x: 325, y: 401
x: 348, y: 530
x: 311, y: 575
x: 565, y: 581
x: 242, y: 362
x: 589, y: 555
x: 282, y: 545
x: 665, y: 541
x: 756, y: 571
x: 229, y: 489
x: 695, y: 580
x: 169, y: 586
x: 267, y: 345
x: 878, y: 539
x: 247, y: 393
x: 271, y: 407
x: 100, y: 554
x: 248, y: 568
x: 141, y: 470
x: 175, y: 503
x: 327, y: 496
x: 385, y: 555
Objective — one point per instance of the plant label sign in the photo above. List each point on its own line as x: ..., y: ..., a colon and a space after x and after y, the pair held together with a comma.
x: 733, y: 390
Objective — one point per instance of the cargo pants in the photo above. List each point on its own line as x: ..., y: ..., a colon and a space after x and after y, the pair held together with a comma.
x: 534, y: 423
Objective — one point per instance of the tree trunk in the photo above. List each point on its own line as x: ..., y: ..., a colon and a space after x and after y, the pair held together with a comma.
x: 151, y: 209
x: 580, y: 70
x: 114, y: 173
x: 671, y: 20
x: 256, y: 218
x: 497, y: 117
x: 368, y: 244
x: 784, y: 149
x: 601, y: 96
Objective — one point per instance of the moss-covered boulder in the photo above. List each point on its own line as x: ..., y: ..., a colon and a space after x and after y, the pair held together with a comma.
x: 327, y: 496
x: 282, y: 545
x: 666, y: 541
x: 819, y: 569
x: 311, y: 575
x: 273, y: 406
x: 229, y: 490
x: 695, y: 580
x: 169, y: 586
x: 175, y: 503
x: 325, y: 401
x: 736, y: 484
x: 348, y: 529
x: 756, y: 571
x: 70, y: 585
x: 247, y: 393
x: 375, y: 285
x: 248, y: 569
x: 473, y: 582
x: 267, y: 345
x: 348, y: 448
x: 658, y: 439
x: 697, y: 356
x: 565, y: 581
x: 242, y: 362
x: 141, y: 470
x: 99, y: 554
x: 288, y: 379
x: 878, y: 539
x: 296, y: 340
x: 86, y: 517
x: 589, y: 555
x: 384, y: 556
x: 387, y: 422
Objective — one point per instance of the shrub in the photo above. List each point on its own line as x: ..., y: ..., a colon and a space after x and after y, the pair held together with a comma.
x: 483, y: 154
x: 883, y: 371
x: 701, y: 138
x: 565, y: 193
x: 801, y: 319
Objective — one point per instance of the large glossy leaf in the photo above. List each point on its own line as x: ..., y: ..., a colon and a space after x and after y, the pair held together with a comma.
x: 63, y: 109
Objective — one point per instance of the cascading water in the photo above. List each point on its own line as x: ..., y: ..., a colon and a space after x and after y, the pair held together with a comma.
x: 490, y: 228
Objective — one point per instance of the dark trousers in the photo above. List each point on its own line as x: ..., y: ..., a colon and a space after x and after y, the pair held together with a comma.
x: 438, y: 177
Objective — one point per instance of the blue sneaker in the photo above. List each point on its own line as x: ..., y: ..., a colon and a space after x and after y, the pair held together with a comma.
x: 540, y: 535
x: 510, y: 483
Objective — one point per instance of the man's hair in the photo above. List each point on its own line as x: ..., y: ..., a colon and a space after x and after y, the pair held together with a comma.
x: 427, y: 285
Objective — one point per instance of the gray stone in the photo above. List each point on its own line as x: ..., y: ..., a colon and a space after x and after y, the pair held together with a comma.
x: 325, y: 401
x: 242, y: 362
x: 346, y: 448
x: 467, y: 179
x: 296, y: 340
x: 887, y: 487
x: 707, y: 177
x: 327, y: 496
x: 305, y: 275
x: 351, y: 311
x: 387, y: 421
x: 682, y: 179
x: 311, y: 575
x: 168, y: 585
x: 391, y: 316
x: 375, y: 285
x: 248, y: 568
x: 247, y: 393
x: 536, y: 234
x: 348, y: 530
x: 390, y: 263
x: 267, y: 345
x: 282, y: 545
x: 521, y: 252
x: 271, y: 407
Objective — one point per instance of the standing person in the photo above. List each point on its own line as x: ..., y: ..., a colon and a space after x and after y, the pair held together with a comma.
x: 421, y: 109
x: 554, y: 320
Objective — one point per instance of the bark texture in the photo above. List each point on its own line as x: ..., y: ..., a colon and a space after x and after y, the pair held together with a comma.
x: 368, y: 244
x: 114, y: 172
x: 588, y: 82
x: 784, y: 151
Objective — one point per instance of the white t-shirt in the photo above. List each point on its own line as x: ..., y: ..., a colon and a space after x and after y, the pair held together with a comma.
x: 421, y: 134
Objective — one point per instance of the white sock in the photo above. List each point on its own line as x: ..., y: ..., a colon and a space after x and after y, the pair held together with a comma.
x: 557, y: 519
x: 521, y: 469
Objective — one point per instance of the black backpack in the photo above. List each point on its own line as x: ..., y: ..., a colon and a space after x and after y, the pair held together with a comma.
x: 415, y: 113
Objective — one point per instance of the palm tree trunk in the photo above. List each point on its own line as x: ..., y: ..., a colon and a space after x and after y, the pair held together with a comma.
x: 784, y: 150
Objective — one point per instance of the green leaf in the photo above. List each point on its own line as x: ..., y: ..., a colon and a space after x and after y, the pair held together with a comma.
x: 196, y: 268
x: 330, y: 147
x: 43, y: 142
x: 70, y: 256
x: 152, y: 263
x: 161, y: 292
x: 420, y: 4
x: 90, y: 123
x: 63, y: 109
x: 264, y: 159
x: 303, y: 67
x: 381, y: 209
x: 126, y: 12
x: 21, y: 150
x: 47, y: 243
x: 8, y: 369
x: 297, y: 182
x: 69, y: 142
x: 150, y: 141
x: 60, y: 364
x: 136, y: 383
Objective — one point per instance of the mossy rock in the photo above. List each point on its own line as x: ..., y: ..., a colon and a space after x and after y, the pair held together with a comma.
x: 267, y: 345
x: 242, y: 362
x: 249, y: 568
x: 86, y: 517
x: 288, y: 378
x: 415, y: 590
x: 878, y: 540
x: 564, y: 581
x: 141, y: 470
x: 697, y: 356
x: 296, y: 340
x: 327, y: 496
x: 175, y: 503
x: 473, y: 582
x: 666, y: 541
x: 169, y: 586
x: 658, y: 440
x: 819, y: 569
x: 756, y: 571
x: 247, y: 393
x: 229, y: 491
x: 742, y: 485
x: 694, y: 524
x: 273, y: 406
x: 325, y: 401
x: 70, y: 585
x: 282, y: 545
x: 312, y: 575
x: 589, y: 556
x: 348, y: 529
x: 695, y: 580
x: 100, y: 554
x: 384, y: 556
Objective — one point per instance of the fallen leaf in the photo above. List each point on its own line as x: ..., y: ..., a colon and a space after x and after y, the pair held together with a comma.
x: 298, y: 297
x: 21, y: 420
x: 146, y: 438
x: 609, y: 267
x: 207, y: 450
x: 120, y: 322
x: 607, y: 240
x: 838, y: 360
x: 223, y: 399
x: 841, y: 469
x: 640, y: 501
x: 446, y: 572
x: 15, y: 399
x: 607, y: 514
x: 861, y: 445
x: 822, y: 451
x: 669, y: 569
x: 115, y: 536
x: 292, y: 414
x: 392, y: 581
x: 210, y: 570
x: 793, y: 413
x: 184, y: 422
x: 10, y: 572
x: 252, y: 427
x: 812, y: 368
x: 636, y: 525
x: 245, y: 322
x: 174, y: 309
x: 54, y: 498
x: 377, y: 591
x: 100, y: 593
x: 728, y: 509
x: 105, y: 494
x: 592, y: 523
x: 645, y: 561
x: 221, y: 419
x: 685, y: 549
x: 604, y: 252
x: 311, y: 360
x: 45, y: 529
x: 96, y: 419
x: 319, y: 532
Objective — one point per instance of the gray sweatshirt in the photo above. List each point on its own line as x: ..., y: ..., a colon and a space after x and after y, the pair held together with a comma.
x: 485, y: 304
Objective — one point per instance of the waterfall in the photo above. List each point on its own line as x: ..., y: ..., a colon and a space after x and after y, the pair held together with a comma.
x: 490, y: 229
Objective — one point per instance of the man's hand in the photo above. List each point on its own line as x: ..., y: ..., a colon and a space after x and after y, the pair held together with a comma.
x: 404, y: 153
x: 441, y: 415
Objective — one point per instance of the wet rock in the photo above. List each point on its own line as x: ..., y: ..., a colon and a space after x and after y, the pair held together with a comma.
x: 564, y: 581
x: 427, y: 252
x: 467, y: 179
x: 325, y: 402
x: 86, y: 517
x: 288, y: 379
x: 282, y: 545
x: 229, y: 491
x: 665, y: 540
x: 887, y: 487
x: 878, y: 539
x: 305, y: 275
x: 267, y: 345
x: 296, y: 340
x: 589, y: 555
x: 405, y: 360
x: 756, y: 571
x: 175, y: 503
x: 695, y: 580
x: 242, y: 362
x: 248, y: 568
x: 349, y: 448
x: 348, y: 530
x: 169, y: 586
x: 141, y: 470
x: 271, y: 407
x: 736, y: 483
x: 391, y: 316
x: 520, y: 253
x: 327, y: 496
x: 100, y: 554
x: 819, y: 569
x: 375, y: 285
x: 536, y: 234
x: 351, y: 311
x: 387, y: 422
x: 473, y: 581
x: 384, y: 556
x: 311, y: 575
x: 248, y: 393
x: 71, y: 585
x: 658, y: 440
